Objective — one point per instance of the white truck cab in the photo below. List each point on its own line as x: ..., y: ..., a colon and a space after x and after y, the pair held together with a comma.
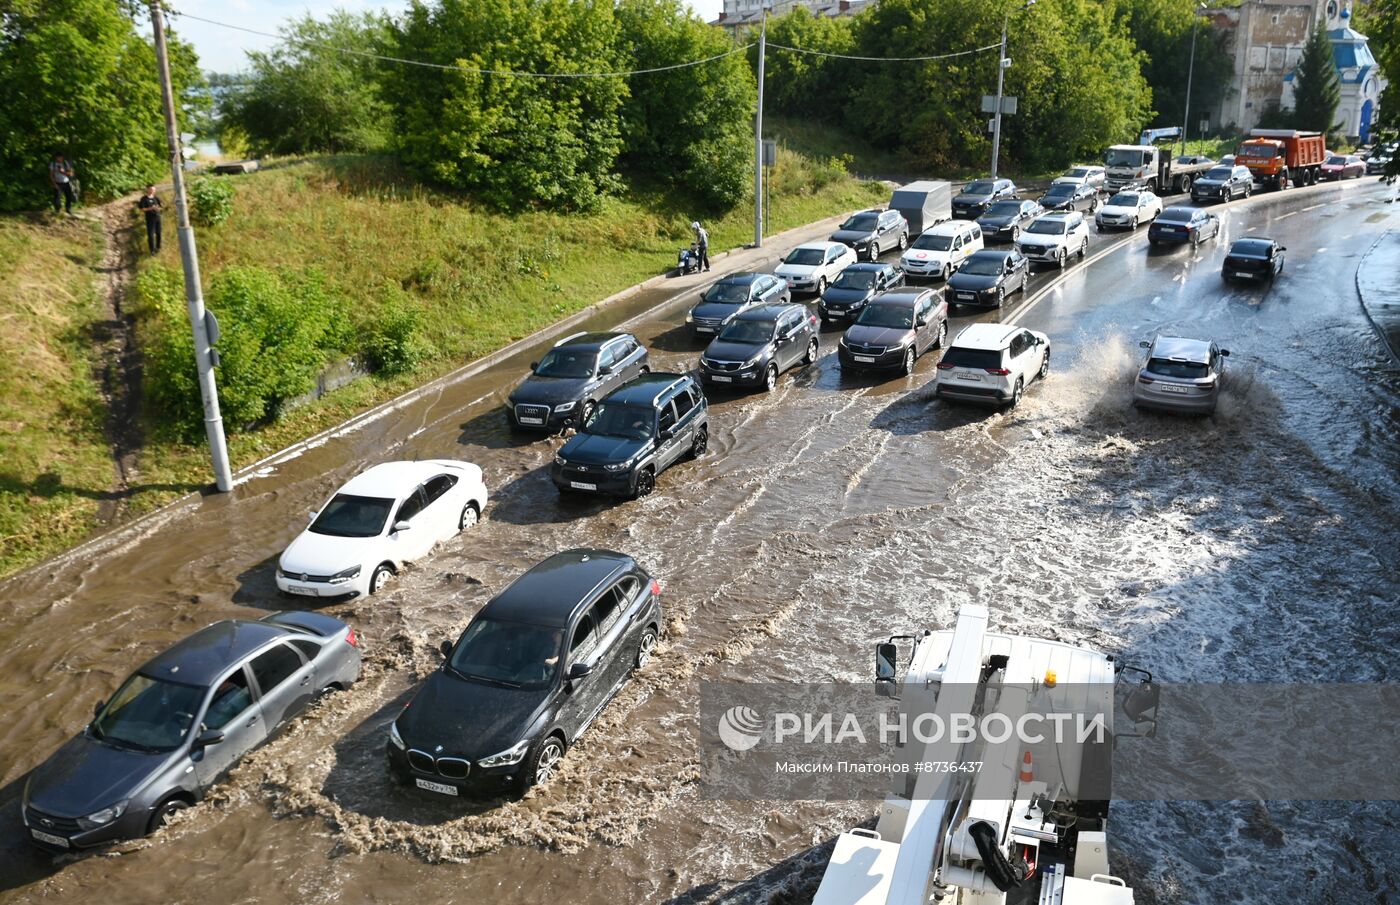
x: 1131, y: 165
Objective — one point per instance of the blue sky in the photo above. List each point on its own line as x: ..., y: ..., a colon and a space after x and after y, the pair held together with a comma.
x: 222, y: 49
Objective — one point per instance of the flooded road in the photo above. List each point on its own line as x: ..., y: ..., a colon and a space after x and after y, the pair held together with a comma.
x: 1258, y: 545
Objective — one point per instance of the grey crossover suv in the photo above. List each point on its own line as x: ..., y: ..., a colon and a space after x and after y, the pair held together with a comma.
x: 1181, y: 375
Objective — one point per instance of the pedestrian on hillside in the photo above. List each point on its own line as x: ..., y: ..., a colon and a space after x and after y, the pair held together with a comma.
x: 150, y: 206
x: 61, y: 176
x: 702, y: 244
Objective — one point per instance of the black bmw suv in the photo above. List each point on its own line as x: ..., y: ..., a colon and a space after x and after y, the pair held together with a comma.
x: 564, y: 386
x: 633, y: 435
x: 759, y: 345
x: 531, y: 671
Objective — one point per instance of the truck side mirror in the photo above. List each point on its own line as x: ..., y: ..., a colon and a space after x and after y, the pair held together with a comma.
x: 1144, y: 344
x: 886, y: 657
x: 1140, y: 705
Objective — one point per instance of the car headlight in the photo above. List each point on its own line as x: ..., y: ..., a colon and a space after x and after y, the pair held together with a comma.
x: 690, y: 317
x: 618, y: 466
x: 512, y: 755
x: 566, y: 407
x: 753, y: 361
x: 394, y: 737
x: 345, y: 575
x: 560, y: 460
x: 103, y: 817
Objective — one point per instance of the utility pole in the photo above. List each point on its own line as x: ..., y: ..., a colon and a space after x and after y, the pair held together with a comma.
x: 1190, y: 71
x: 189, y: 258
x: 758, y: 139
x: 1002, y: 64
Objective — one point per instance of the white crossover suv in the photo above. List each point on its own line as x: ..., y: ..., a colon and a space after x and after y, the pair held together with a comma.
x: 388, y: 516
x: 1051, y: 239
x: 992, y: 363
x: 1127, y: 209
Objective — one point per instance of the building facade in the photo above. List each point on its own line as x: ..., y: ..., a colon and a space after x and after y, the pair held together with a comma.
x: 738, y: 15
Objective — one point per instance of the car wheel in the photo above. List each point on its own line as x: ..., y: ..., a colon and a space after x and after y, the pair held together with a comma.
x: 545, y: 762
x: 947, y: 273
x: 586, y: 412
x: 770, y: 378
x: 646, y: 483
x: 1083, y: 248
x: 874, y: 251
x: 1015, y: 233
x: 911, y: 356
x: 811, y: 358
x: 1016, y: 393
x: 1134, y: 224
x: 646, y: 646
x: 1044, y: 366
x: 701, y: 442
x: 821, y: 285
x: 903, y: 241
x: 164, y: 812
x: 1064, y: 256
x: 382, y: 573
x: 469, y: 517
x: 942, y: 339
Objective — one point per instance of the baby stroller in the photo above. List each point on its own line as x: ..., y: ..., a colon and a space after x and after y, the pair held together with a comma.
x: 688, y: 260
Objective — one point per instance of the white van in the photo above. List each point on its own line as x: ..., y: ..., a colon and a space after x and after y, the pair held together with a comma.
x: 941, y: 249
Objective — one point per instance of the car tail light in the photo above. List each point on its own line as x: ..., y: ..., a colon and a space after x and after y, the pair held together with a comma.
x: 1000, y: 372
x: 813, y: 319
x: 1143, y: 378
x: 1206, y: 384
x: 945, y: 366
x: 350, y: 637
x: 655, y: 586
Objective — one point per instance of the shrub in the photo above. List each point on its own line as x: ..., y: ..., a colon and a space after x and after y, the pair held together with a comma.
x: 394, y: 342
x: 211, y: 201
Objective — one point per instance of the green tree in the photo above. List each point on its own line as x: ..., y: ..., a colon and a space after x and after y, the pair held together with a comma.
x: 1317, y: 92
x: 691, y: 127
x: 303, y: 96
x: 1380, y: 21
x: 1162, y: 30
x: 76, y: 77
x: 804, y: 84
x: 515, y: 140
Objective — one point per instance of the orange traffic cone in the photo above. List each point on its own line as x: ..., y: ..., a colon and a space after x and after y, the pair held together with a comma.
x: 1027, y: 770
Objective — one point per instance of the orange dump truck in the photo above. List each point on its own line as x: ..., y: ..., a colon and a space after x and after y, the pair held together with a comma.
x: 1280, y: 157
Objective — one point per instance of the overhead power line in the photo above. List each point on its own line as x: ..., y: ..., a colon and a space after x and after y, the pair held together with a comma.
x: 846, y: 56
x: 467, y: 69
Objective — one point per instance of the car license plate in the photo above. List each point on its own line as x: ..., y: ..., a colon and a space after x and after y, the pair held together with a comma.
x: 302, y: 590
x: 867, y: 359
x: 436, y: 787
x: 969, y: 375
x: 49, y: 838
x: 966, y: 295
x: 1173, y: 388
x: 1242, y: 273
x: 532, y: 420
x: 577, y: 485
x: 704, y: 329
x: 720, y: 378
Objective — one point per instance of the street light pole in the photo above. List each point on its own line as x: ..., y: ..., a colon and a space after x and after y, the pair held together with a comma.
x: 189, y: 258
x: 758, y: 138
x: 1002, y: 64
x: 1190, y: 71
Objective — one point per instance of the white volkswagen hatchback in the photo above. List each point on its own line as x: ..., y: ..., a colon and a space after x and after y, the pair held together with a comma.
x: 390, y: 515
x: 992, y: 363
x: 810, y: 267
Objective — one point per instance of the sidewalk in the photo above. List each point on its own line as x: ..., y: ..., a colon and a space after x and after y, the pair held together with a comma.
x: 1378, y: 284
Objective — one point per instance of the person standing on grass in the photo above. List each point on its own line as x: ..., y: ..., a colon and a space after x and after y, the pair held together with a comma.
x: 61, y: 176
x: 150, y: 206
x: 702, y: 244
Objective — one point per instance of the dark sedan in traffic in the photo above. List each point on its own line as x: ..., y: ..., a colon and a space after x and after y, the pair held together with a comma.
x: 1257, y: 258
x: 988, y: 278
x: 1183, y: 225
x: 893, y: 331
x: 735, y: 293
x: 977, y: 196
x: 1004, y: 220
x: 1070, y: 196
x: 180, y: 722
x: 855, y: 287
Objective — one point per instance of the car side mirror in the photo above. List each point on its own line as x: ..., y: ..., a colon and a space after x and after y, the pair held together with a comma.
x: 604, y: 370
x: 533, y: 366
x: 921, y: 322
x: 1283, y: 248
x: 666, y: 433
x: 1144, y: 344
x: 401, y: 526
x: 578, y: 671
x: 446, y: 647
x: 886, y: 661
x: 97, y: 708
x: 209, y: 737
x: 1225, y: 353
x: 311, y: 516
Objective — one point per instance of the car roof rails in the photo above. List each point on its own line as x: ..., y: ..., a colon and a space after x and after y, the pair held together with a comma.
x: 571, y: 337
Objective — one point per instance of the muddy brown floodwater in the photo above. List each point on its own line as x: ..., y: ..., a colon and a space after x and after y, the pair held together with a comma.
x: 826, y: 516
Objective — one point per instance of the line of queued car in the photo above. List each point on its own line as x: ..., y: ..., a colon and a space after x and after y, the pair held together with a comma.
x: 537, y: 664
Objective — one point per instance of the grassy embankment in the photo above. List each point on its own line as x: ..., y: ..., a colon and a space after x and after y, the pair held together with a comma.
x: 481, y: 279
x: 55, y: 465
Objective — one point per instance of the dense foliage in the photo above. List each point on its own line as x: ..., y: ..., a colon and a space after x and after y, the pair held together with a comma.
x: 76, y: 77
x: 211, y: 200
x: 1163, y: 30
x: 1380, y: 21
x: 1317, y: 92
x: 303, y: 95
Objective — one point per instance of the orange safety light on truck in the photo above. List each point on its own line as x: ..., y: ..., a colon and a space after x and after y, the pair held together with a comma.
x: 1280, y: 157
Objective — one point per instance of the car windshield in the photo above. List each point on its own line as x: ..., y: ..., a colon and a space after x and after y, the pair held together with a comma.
x: 861, y: 222
x: 805, y: 257
x: 747, y: 331
x: 1123, y: 199
x: 148, y: 714
x: 1170, y: 368
x: 1177, y: 215
x: 727, y: 293
x: 896, y: 316
x: 854, y: 279
x: 1047, y: 228
x: 616, y: 419
x: 566, y: 363
x: 1219, y: 173
x: 933, y: 243
x: 982, y: 267
x: 1080, y: 172
x: 352, y: 516
x: 1125, y: 157
x: 1337, y: 161
x: 972, y: 358
x: 1258, y: 151
x: 1249, y: 248
x: 1004, y: 209
x: 979, y: 188
x: 1061, y: 190
x: 500, y: 652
